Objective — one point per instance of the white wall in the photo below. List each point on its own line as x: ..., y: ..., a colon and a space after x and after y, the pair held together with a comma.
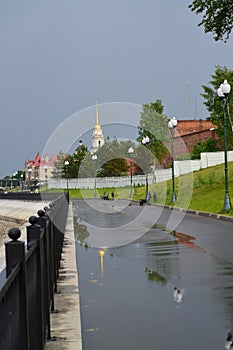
x: 180, y: 168
x: 101, y: 182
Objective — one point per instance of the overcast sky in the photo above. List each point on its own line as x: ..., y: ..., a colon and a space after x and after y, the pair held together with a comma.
x: 60, y: 56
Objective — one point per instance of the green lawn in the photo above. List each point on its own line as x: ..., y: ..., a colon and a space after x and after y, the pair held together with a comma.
x: 201, y: 190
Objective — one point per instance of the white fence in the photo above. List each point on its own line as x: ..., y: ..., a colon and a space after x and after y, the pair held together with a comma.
x: 186, y: 166
x: 101, y: 182
x: 180, y: 168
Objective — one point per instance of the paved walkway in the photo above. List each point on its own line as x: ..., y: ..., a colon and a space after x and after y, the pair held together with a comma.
x: 66, y: 324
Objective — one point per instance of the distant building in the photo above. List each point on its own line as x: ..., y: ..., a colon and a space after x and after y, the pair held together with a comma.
x: 97, y: 135
x: 39, y: 169
x: 189, y: 132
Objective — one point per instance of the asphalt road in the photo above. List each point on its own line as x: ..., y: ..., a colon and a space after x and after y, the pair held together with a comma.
x: 214, y: 235
x: 116, y: 223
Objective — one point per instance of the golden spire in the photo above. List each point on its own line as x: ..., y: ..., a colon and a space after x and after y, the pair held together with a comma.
x: 97, y: 126
x: 97, y: 115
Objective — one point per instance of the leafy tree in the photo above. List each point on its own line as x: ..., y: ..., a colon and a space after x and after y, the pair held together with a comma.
x: 87, y: 166
x: 57, y: 171
x: 209, y: 145
x: 143, y: 158
x: 114, y: 167
x: 214, y: 103
x: 217, y: 17
x: 111, y: 159
x: 124, y: 147
x: 153, y: 123
x: 75, y: 162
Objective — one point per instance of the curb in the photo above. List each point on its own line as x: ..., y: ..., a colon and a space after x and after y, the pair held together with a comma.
x: 190, y: 211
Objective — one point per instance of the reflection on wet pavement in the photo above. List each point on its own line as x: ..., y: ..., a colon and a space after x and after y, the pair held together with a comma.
x: 129, y: 300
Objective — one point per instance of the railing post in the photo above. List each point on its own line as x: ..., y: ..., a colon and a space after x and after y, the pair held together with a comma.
x: 53, y: 283
x: 43, y: 221
x: 34, y: 234
x: 15, y: 254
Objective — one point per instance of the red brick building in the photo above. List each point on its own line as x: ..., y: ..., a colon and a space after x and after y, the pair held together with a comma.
x: 189, y: 132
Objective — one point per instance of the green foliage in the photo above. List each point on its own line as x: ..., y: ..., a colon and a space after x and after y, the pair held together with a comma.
x: 57, y: 171
x: 214, y: 103
x: 144, y: 158
x: 209, y: 145
x: 114, y: 167
x: 217, y: 17
x: 153, y: 123
x: 185, y: 156
x: 207, y: 190
x: 207, y: 180
x: 87, y: 167
x: 76, y: 163
x: 111, y: 158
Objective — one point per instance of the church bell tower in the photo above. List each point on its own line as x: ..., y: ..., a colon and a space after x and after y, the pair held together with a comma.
x: 97, y: 135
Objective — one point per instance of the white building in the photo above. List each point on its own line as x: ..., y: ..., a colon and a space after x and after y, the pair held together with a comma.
x: 97, y: 135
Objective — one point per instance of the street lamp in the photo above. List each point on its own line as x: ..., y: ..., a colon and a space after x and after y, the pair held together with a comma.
x: 21, y: 182
x: 222, y: 92
x: 130, y: 151
x: 29, y: 177
x: 94, y: 158
x: 46, y: 176
x: 172, y: 124
x: 67, y: 183
x: 145, y: 142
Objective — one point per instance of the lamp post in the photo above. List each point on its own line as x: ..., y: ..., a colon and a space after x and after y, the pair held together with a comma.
x: 67, y: 183
x: 21, y: 182
x: 172, y: 124
x: 222, y: 92
x: 130, y: 151
x: 145, y: 142
x: 46, y: 177
x: 29, y: 177
x: 94, y: 158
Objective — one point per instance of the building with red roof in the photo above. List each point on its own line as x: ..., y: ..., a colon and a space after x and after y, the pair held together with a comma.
x: 39, y: 169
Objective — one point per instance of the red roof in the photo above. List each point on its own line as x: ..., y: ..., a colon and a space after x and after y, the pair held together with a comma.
x: 39, y: 161
x: 186, y: 127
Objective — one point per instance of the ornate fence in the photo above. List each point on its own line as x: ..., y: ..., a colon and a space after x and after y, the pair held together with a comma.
x: 29, y: 280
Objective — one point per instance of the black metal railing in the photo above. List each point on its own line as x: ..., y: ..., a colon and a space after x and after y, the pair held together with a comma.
x: 27, y: 196
x: 29, y: 280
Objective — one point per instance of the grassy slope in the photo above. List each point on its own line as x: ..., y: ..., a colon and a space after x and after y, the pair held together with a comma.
x: 201, y: 190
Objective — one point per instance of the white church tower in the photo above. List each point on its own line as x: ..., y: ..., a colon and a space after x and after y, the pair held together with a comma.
x: 97, y: 135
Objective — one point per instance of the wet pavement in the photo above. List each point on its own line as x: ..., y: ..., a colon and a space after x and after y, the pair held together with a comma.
x: 127, y: 291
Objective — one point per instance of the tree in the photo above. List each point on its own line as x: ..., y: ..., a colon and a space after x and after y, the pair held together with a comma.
x: 113, y: 167
x: 75, y: 163
x: 209, y: 145
x: 153, y: 123
x: 214, y: 103
x: 217, y: 17
x: 111, y: 159
x: 143, y: 158
x: 58, y: 166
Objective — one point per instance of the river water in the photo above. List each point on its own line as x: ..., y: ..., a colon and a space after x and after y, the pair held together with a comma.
x: 127, y: 291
